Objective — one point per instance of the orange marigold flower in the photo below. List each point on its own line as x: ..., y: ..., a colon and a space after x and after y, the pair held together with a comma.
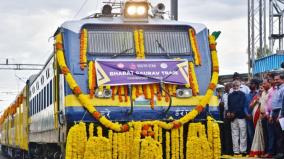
x: 124, y: 128
x: 212, y: 86
x: 77, y: 90
x: 213, y: 47
x: 146, y: 127
x: 59, y: 46
x: 144, y: 133
x: 216, y: 69
x: 151, y: 133
x: 65, y: 70
x: 199, y: 108
x: 176, y: 124
x: 97, y: 115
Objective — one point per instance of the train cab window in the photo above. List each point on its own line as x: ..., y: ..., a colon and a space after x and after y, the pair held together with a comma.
x: 167, y: 41
x: 110, y: 42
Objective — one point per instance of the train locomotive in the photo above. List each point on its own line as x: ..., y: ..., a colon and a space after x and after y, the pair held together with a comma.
x: 114, y: 71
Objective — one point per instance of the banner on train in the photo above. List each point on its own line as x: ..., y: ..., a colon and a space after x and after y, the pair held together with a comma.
x: 132, y: 72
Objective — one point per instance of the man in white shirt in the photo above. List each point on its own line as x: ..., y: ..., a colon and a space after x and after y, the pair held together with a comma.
x: 243, y: 87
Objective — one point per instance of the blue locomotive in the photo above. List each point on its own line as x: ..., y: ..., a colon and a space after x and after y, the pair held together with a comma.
x: 132, y: 65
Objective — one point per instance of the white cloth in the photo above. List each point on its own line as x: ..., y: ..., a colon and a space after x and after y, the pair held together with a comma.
x: 257, y: 147
x: 225, y: 100
x: 243, y: 88
x: 263, y: 100
x: 239, y: 135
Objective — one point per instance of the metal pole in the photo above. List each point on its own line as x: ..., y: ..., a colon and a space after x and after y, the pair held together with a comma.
x: 281, y: 31
x: 260, y: 30
x: 252, y: 36
x: 249, y: 42
x: 174, y: 9
x: 264, y: 26
x: 270, y: 25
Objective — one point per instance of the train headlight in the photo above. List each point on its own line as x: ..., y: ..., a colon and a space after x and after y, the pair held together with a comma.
x: 105, y: 93
x: 131, y: 10
x: 141, y: 10
x: 183, y: 93
x: 136, y: 10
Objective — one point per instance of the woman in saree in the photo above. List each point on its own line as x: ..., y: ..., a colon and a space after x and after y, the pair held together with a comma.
x: 257, y: 105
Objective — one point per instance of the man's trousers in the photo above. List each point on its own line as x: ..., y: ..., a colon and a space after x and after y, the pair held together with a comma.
x: 239, y: 135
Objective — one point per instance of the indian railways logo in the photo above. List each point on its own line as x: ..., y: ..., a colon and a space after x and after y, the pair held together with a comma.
x: 164, y: 65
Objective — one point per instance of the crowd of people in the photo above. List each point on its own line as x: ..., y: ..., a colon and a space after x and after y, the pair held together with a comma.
x: 250, y: 114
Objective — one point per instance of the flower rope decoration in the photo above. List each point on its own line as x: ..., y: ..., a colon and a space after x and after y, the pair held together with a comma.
x: 193, y: 79
x: 194, y: 45
x: 83, y: 48
x: 92, y: 78
x: 87, y: 103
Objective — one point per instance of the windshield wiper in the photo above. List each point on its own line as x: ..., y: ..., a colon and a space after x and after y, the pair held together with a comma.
x: 162, y: 48
x: 122, y: 52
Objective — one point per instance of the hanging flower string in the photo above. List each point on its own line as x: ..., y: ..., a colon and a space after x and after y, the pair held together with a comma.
x: 92, y: 78
x: 193, y: 79
x: 194, y: 45
x: 83, y: 48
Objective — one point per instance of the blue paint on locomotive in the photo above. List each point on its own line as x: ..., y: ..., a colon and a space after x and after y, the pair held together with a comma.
x: 72, y: 50
x: 139, y: 113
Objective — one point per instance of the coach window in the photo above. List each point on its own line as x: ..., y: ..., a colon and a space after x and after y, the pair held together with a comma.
x: 50, y: 93
x: 30, y: 108
x: 40, y: 101
x: 34, y: 103
x: 37, y: 107
x: 33, y: 108
x: 44, y: 97
x: 47, y: 94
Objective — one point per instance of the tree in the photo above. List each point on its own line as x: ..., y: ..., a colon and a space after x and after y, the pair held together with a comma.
x: 264, y: 53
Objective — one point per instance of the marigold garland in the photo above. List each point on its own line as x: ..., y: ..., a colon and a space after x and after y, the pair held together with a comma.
x: 118, y: 127
x: 83, y: 48
x: 194, y: 45
x: 92, y: 78
x: 76, y: 141
x: 168, y: 148
x: 193, y: 79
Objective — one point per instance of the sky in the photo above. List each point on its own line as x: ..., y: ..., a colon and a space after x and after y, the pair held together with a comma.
x: 27, y: 27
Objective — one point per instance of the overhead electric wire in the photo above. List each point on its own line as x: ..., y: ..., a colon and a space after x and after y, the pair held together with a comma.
x: 82, y: 6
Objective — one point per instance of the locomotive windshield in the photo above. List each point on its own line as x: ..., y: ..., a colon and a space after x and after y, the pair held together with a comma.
x: 158, y: 40
x: 110, y: 42
x: 166, y: 41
